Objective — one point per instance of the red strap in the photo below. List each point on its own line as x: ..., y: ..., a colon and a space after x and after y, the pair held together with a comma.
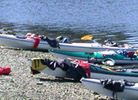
x: 36, y: 41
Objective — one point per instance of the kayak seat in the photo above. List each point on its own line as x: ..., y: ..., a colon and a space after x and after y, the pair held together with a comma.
x: 21, y: 37
x: 52, y: 42
x: 5, y: 70
x: 62, y: 39
x: 110, y: 43
x: 114, y: 85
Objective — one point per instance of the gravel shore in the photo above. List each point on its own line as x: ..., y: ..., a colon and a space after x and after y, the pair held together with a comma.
x: 21, y: 85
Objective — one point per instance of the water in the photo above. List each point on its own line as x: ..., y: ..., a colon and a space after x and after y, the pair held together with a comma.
x: 104, y: 19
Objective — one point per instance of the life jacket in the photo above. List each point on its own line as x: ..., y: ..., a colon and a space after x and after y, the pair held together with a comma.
x: 5, y: 70
x: 85, y: 65
x: 52, y: 42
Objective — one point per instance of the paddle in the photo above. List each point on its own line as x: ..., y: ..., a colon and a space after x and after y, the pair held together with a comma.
x: 87, y: 37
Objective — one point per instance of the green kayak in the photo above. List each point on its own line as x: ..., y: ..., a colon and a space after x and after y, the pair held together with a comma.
x: 105, y: 57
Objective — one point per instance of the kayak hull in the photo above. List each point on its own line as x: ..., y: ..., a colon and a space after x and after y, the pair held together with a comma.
x: 13, y: 41
x: 95, y: 71
x: 97, y: 57
x: 129, y: 93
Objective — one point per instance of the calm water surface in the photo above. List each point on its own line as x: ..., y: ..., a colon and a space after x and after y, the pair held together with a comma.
x: 104, y: 19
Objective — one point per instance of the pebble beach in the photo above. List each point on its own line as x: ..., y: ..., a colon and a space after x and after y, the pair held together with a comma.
x: 20, y: 84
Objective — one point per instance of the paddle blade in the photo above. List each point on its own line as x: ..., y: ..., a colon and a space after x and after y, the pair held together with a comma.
x: 87, y: 37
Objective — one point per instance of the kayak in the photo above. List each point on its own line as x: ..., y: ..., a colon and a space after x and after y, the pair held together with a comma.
x: 76, y: 69
x: 107, y: 57
x: 128, y: 91
x: 34, y: 43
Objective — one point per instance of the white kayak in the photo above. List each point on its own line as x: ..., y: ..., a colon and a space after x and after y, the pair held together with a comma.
x: 58, y: 72
x: 26, y: 43
x: 129, y: 93
x: 38, y: 65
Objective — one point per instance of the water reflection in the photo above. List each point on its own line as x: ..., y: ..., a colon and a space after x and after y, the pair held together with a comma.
x: 104, y: 19
x: 73, y: 34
